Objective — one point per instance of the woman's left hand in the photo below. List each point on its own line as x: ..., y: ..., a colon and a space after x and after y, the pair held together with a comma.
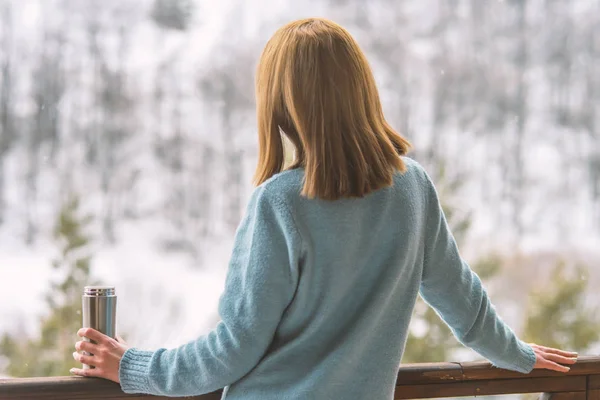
x: 105, y: 355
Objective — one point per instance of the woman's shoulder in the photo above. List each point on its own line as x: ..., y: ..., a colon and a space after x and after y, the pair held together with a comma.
x: 412, y: 165
x: 415, y: 170
x: 282, y: 187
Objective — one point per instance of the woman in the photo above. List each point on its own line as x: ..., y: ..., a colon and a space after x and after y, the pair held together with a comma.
x: 331, y: 254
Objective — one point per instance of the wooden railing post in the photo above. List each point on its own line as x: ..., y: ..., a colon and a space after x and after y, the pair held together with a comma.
x: 593, y: 387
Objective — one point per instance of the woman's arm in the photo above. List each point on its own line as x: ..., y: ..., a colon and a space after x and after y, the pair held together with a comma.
x: 457, y: 294
x: 260, y: 284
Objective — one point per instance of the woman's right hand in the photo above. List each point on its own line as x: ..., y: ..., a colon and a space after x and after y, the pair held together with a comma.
x: 548, y: 358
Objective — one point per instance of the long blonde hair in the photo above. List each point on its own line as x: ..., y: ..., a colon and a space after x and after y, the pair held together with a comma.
x: 315, y: 85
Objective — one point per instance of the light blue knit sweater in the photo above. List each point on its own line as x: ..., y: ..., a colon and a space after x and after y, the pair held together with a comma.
x: 319, y: 296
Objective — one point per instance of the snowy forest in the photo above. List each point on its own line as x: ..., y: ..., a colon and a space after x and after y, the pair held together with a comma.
x: 128, y: 144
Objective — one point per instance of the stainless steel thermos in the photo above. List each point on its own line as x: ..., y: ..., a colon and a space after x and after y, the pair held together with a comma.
x: 99, y: 310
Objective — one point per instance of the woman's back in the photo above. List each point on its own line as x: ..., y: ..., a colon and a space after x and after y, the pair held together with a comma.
x: 343, y: 332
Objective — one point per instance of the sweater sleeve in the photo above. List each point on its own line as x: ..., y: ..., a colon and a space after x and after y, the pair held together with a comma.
x: 259, y: 286
x: 456, y: 293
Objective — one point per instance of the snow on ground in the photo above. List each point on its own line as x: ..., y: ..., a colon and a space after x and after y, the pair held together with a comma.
x: 24, y: 278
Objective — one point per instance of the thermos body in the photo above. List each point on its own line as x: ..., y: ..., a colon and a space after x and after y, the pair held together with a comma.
x: 99, y: 310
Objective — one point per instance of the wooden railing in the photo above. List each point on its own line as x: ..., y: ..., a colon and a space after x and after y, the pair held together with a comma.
x: 416, y: 381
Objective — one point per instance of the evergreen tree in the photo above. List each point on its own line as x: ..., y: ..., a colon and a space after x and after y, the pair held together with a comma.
x: 51, y: 353
x: 557, y: 316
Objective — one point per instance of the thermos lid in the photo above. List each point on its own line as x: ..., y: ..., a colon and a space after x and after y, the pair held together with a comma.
x: 99, y: 290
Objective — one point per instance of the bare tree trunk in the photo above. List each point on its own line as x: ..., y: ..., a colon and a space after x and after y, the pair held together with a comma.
x: 71, y: 129
x: 45, y: 128
x: 592, y: 115
x: 199, y: 200
x: 7, y: 133
x: 159, y: 94
x: 31, y: 176
x: 116, y: 108
x: 233, y: 157
x: 521, y: 115
x: 559, y: 75
x: 92, y: 132
x: 204, y: 199
x: 441, y: 98
x: 179, y: 206
x: 2, y: 190
x: 111, y: 109
x: 172, y: 150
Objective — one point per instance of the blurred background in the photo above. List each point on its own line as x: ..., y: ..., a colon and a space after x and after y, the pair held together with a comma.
x: 128, y: 143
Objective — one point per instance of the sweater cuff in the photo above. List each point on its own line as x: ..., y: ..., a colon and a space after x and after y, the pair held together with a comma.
x: 527, y: 359
x: 134, y: 371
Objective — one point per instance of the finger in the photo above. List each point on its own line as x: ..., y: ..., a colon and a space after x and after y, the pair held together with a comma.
x: 560, y: 359
x: 93, y: 334
x: 85, y: 372
x: 82, y: 345
x: 84, y: 359
x: 563, y: 353
x: 551, y: 365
